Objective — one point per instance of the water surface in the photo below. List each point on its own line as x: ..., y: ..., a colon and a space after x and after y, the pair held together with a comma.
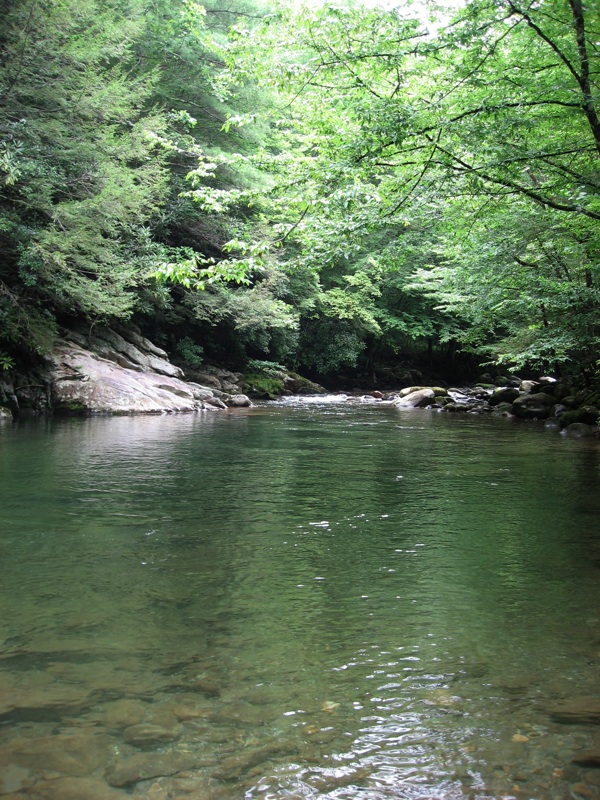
x: 296, y: 601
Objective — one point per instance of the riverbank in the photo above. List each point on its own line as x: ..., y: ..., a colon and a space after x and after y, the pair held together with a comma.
x: 557, y: 404
x: 121, y: 372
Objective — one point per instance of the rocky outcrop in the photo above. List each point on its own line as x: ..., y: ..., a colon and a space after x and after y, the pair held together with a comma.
x: 114, y: 373
x: 83, y: 381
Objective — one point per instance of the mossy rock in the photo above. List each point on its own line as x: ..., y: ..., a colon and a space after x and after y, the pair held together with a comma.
x: 588, y: 415
x: 263, y: 386
x: 299, y: 385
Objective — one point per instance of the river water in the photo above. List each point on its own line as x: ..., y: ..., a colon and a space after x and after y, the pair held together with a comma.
x: 298, y: 600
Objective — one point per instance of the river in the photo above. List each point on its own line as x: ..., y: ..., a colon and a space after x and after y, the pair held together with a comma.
x: 298, y: 600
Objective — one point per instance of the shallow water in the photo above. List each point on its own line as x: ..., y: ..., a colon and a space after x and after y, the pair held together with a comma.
x: 298, y: 600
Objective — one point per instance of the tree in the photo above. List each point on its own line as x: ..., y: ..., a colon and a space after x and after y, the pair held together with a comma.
x: 480, y: 138
x: 82, y: 175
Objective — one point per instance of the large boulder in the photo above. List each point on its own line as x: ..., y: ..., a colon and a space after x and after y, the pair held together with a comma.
x: 83, y: 381
x: 115, y: 375
x: 438, y: 391
x: 416, y: 399
x: 135, y: 352
x: 217, y: 378
x: 588, y: 415
x: 503, y: 394
x: 533, y: 406
x: 238, y: 401
x: 578, y: 430
x: 530, y: 387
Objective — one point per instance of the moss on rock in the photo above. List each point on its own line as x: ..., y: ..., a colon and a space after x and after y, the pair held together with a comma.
x: 263, y: 385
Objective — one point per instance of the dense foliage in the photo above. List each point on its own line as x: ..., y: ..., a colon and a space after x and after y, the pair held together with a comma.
x: 336, y: 187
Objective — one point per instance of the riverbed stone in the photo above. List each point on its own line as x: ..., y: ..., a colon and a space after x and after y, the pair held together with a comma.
x: 533, y: 406
x: 552, y: 424
x: 416, y: 399
x: 503, y: 394
x: 558, y: 410
x: 146, y: 732
x: 77, y: 789
x: 14, y: 778
x: 143, y: 766
x: 74, y: 755
x: 238, y: 401
x: 578, y: 430
x: 588, y: 758
x: 214, y: 403
x: 200, y: 392
x: 43, y: 696
x: 580, y: 789
x: 123, y: 713
x: 529, y: 387
x: 576, y: 711
x: 234, y: 766
x: 586, y: 414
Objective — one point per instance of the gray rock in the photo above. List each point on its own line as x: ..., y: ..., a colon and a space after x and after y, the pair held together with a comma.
x: 143, y: 766
x: 143, y: 733
x: 578, y: 430
x: 205, y: 379
x: 504, y: 394
x: 588, y: 414
x: 200, y: 392
x: 75, y: 755
x: 416, y: 399
x: 14, y: 778
x: 123, y: 713
x: 238, y: 401
x: 506, y: 380
x: 533, y: 406
x: 552, y: 424
x: 562, y: 389
x: 76, y: 789
x: 437, y: 390
x: 82, y: 381
x: 214, y: 403
x: 503, y: 409
x: 529, y: 387
x: 577, y: 711
x: 233, y: 767
x: 588, y: 758
x: 146, y: 357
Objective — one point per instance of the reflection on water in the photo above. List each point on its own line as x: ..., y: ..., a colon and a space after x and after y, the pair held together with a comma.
x: 296, y: 601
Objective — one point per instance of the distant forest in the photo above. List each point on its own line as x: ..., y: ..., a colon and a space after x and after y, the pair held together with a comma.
x: 337, y: 188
